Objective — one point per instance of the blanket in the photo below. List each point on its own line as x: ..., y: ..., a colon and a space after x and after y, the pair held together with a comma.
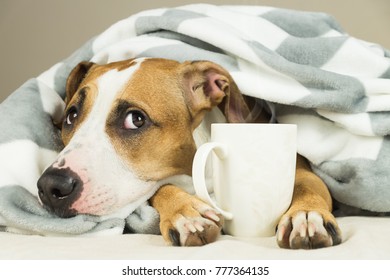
x: 335, y: 87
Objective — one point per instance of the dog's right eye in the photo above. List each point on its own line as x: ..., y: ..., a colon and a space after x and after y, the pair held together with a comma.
x: 71, y: 116
x: 134, y: 120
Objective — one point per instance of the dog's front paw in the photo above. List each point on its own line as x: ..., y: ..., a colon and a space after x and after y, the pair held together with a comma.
x: 308, y: 230
x: 191, y: 224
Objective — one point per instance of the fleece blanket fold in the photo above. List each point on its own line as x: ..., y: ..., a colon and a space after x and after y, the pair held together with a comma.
x: 335, y: 87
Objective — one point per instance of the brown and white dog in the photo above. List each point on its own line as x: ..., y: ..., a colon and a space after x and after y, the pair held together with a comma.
x: 131, y: 130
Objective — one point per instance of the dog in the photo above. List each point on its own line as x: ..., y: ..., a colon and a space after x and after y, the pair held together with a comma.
x: 131, y: 129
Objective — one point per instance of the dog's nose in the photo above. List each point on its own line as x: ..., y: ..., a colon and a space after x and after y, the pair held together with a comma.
x: 58, y: 189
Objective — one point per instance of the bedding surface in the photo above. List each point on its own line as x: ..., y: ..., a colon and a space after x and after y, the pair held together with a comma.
x: 336, y: 88
x: 363, y: 238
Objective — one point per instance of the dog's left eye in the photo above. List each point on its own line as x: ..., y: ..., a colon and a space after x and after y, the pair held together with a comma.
x: 71, y: 116
x: 134, y: 120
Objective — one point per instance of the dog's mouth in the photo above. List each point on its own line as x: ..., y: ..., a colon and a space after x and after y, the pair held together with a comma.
x: 61, y: 212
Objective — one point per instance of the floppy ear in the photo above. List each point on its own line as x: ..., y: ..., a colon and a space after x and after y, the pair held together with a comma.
x: 208, y: 85
x: 75, y: 78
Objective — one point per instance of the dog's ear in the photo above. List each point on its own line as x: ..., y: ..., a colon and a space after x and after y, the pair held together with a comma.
x: 209, y: 85
x: 75, y: 78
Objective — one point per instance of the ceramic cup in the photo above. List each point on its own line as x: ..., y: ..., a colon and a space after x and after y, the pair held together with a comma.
x: 253, y: 172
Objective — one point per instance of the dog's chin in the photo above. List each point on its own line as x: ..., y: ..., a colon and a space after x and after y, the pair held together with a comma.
x: 121, y: 213
x: 68, y: 212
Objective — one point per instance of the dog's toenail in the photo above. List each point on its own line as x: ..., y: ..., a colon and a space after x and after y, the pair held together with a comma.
x: 175, y: 237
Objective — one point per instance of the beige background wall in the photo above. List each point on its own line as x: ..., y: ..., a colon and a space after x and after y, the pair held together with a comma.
x: 35, y: 34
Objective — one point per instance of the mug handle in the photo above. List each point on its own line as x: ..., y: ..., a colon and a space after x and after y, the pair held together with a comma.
x: 198, y: 172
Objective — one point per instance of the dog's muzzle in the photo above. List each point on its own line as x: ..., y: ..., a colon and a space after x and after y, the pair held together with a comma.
x: 58, y: 189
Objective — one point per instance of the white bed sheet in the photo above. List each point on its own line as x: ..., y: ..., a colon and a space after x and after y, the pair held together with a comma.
x: 363, y: 238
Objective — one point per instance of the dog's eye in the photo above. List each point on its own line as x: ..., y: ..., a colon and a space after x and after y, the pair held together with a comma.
x: 71, y: 116
x: 134, y: 120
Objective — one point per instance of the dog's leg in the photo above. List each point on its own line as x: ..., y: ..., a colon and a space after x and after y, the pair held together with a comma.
x: 309, y: 222
x: 184, y: 219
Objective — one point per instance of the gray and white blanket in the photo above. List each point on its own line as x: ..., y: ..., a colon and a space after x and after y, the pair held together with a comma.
x: 335, y: 87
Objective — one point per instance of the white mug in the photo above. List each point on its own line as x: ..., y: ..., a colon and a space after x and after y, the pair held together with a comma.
x: 253, y: 173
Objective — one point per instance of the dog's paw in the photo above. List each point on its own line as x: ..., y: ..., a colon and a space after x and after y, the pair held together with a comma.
x: 192, y: 224
x: 308, y: 230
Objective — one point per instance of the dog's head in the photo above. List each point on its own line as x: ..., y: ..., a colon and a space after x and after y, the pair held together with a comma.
x: 128, y: 126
